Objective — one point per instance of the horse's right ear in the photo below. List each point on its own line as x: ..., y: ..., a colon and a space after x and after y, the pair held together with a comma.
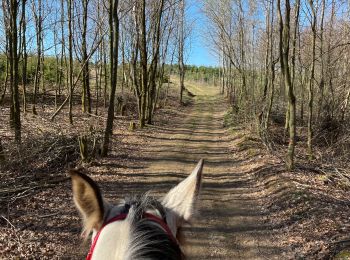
x: 88, y: 200
x: 182, y: 199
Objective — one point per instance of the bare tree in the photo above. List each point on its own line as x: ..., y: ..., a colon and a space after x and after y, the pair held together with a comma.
x: 181, y: 46
x: 10, y: 12
x: 38, y: 19
x: 154, y: 66
x: 70, y: 54
x: 86, y: 95
x: 284, y: 32
x: 24, y: 54
x: 113, y: 58
x: 311, y: 80
x: 272, y: 63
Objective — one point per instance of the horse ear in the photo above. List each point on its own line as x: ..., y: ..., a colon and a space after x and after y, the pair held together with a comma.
x: 182, y: 199
x: 88, y: 200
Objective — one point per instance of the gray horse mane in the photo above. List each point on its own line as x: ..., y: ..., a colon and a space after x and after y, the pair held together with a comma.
x: 148, y: 239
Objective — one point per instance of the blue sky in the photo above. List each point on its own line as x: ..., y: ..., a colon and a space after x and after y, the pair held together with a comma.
x: 199, y: 53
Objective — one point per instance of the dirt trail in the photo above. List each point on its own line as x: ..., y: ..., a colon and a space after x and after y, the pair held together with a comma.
x: 230, y: 224
x: 250, y: 206
x: 231, y: 221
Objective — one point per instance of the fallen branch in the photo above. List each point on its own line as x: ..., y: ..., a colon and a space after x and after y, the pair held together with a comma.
x: 8, y: 221
x: 102, y: 117
x: 22, y: 190
x: 12, y: 226
x: 48, y: 215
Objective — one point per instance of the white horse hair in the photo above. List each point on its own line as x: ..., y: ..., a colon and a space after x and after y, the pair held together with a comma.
x: 136, y: 236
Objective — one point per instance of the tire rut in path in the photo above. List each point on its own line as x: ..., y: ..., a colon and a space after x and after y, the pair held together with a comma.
x: 230, y: 223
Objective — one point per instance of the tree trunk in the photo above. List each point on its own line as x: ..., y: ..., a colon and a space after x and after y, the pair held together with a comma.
x: 265, y: 83
x: 99, y: 67
x: 181, y: 42
x: 311, y: 82
x: 113, y: 42
x: 63, y: 44
x: 284, y: 32
x: 322, y: 80
x: 15, y: 115
x: 271, y: 68
x: 6, y: 71
x: 154, y: 63
x: 143, y: 61
x: 70, y: 52
x: 37, y: 13
x: 24, y: 55
x: 86, y: 95
x: 105, y: 83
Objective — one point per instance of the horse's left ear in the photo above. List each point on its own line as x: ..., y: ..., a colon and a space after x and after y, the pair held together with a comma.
x: 88, y: 199
x: 182, y: 199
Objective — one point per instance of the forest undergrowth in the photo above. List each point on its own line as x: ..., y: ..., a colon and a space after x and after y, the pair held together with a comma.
x: 309, y: 205
x: 306, y: 208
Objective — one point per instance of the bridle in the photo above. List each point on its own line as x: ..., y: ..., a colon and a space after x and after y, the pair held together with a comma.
x: 161, y: 222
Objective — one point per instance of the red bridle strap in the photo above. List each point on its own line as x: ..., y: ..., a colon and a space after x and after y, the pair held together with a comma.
x: 114, y: 219
x: 149, y: 216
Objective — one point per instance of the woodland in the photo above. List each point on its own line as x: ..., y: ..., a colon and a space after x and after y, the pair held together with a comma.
x: 109, y: 86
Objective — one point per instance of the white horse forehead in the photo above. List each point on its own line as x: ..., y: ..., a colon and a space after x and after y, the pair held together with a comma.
x: 113, y: 242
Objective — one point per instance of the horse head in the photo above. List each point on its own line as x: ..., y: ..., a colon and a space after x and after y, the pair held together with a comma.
x: 139, y: 227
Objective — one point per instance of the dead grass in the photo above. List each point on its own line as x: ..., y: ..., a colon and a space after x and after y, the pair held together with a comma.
x: 306, y: 209
x: 309, y: 207
x: 36, y: 218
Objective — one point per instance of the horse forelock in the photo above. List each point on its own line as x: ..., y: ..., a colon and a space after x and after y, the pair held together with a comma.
x: 149, y: 240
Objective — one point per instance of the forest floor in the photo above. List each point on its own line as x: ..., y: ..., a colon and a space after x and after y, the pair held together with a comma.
x: 250, y: 206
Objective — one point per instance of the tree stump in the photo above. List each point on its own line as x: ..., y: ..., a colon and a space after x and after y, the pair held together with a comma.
x: 132, y: 126
x: 123, y: 109
x: 83, y: 147
x: 119, y: 105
